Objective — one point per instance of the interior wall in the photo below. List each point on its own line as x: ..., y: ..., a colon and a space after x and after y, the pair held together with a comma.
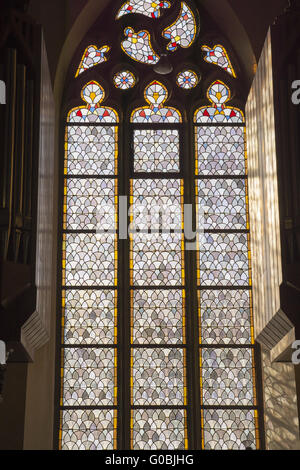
x: 263, y: 194
x: 280, y: 402
x: 257, y: 16
x: 39, y: 411
x: 14, y: 393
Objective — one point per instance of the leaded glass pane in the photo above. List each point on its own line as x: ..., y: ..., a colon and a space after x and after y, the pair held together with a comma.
x: 222, y: 203
x: 158, y: 377
x: 91, y: 150
x: 87, y: 202
x: 89, y: 377
x: 223, y: 259
x: 88, y: 429
x: 157, y: 259
x: 90, y: 259
x: 158, y: 316
x: 158, y: 429
x: 225, y: 317
x: 227, y: 377
x: 220, y: 151
x: 229, y: 429
x: 157, y: 204
x: 156, y: 151
x: 89, y: 316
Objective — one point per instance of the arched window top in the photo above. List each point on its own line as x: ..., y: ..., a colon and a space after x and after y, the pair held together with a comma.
x: 141, y: 297
x: 218, y: 94
x: 156, y: 94
x: 93, y: 94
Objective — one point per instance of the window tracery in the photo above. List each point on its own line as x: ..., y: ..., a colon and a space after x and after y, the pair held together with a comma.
x: 129, y: 307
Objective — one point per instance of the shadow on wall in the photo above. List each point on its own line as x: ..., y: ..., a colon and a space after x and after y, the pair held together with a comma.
x: 280, y: 402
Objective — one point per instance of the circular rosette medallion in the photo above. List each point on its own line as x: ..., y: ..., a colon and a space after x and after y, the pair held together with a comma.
x: 187, y: 79
x: 124, y: 80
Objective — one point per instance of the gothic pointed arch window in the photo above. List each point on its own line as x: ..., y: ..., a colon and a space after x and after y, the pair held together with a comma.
x: 156, y: 348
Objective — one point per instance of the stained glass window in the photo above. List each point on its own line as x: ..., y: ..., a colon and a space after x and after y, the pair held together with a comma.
x: 92, y: 56
x: 157, y: 279
x: 89, y: 277
x: 124, y: 80
x: 156, y: 151
x: 218, y: 55
x: 159, y: 429
x: 138, y: 47
x: 230, y: 429
x: 88, y: 429
x: 144, y: 7
x: 156, y: 343
x: 156, y: 94
x: 157, y: 316
x: 220, y: 150
x: 227, y: 374
x: 187, y: 79
x: 218, y: 94
x: 182, y: 32
x: 93, y: 94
